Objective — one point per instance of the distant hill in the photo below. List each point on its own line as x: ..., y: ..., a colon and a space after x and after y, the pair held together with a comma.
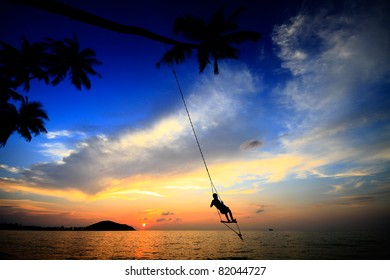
x: 108, y: 226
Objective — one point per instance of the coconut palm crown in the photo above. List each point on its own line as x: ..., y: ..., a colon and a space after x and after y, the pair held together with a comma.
x: 67, y: 58
x: 51, y: 61
x: 213, y: 40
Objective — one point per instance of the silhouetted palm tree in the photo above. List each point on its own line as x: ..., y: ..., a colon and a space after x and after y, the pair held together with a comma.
x: 63, y: 9
x: 56, y: 59
x: 213, y: 39
x: 7, y: 92
x: 50, y: 61
x: 19, y: 66
x: 8, y: 121
x: 31, y: 119
x: 28, y: 120
x: 8, y: 111
x: 67, y: 58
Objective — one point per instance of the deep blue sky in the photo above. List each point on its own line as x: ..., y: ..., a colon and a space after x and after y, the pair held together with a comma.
x: 299, y: 123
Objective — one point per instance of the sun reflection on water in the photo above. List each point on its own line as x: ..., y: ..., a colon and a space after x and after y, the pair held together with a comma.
x: 187, y: 245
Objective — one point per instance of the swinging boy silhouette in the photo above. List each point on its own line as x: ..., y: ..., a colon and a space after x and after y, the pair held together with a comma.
x: 222, y: 208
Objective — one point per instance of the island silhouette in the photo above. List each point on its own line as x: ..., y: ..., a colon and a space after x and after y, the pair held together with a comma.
x: 100, y: 226
x: 108, y: 226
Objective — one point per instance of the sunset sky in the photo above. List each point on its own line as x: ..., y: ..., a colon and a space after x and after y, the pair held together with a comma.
x: 296, y: 132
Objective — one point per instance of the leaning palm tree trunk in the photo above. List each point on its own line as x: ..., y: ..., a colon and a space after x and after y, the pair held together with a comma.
x: 211, y: 40
x: 83, y: 16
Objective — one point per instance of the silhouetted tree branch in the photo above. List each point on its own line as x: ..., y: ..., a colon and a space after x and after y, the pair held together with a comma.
x: 53, y: 60
x: 89, y: 18
x: 211, y: 40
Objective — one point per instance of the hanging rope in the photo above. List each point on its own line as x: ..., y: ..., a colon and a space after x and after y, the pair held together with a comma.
x: 213, y: 188
x: 238, y: 231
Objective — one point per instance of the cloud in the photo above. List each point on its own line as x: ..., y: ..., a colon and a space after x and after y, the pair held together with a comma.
x: 10, y: 169
x: 251, y: 144
x: 260, y: 209
x: 164, y: 146
x: 29, y: 212
x: 127, y: 194
x: 350, y: 51
x: 332, y: 115
x: 64, y: 134
x: 61, y: 143
x: 352, y: 201
x: 55, y: 150
x: 164, y: 219
x: 336, y: 189
x: 339, y: 63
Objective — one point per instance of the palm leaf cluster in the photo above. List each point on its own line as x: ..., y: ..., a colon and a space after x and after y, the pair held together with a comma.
x: 213, y: 40
x: 28, y: 120
x: 67, y: 58
x: 50, y: 61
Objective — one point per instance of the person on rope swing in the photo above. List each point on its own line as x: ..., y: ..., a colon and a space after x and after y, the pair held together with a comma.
x: 222, y: 208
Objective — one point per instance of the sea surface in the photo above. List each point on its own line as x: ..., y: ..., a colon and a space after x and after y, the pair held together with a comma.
x: 192, y: 245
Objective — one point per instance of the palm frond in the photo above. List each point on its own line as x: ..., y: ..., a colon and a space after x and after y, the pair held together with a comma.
x: 226, y: 52
x: 230, y: 22
x: 177, y: 54
x: 68, y: 59
x: 8, y: 122
x: 214, y: 39
x: 203, y: 57
x: 216, y: 68
x: 6, y: 91
x: 216, y: 24
x: 22, y: 65
x: 242, y: 36
x: 190, y: 28
x: 31, y: 119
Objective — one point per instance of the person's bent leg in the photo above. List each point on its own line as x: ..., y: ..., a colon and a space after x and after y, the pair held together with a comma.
x: 231, y: 215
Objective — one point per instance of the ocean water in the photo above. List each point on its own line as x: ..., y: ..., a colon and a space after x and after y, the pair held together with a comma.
x: 192, y: 245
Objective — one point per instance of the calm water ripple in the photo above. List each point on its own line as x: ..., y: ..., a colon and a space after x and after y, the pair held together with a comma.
x: 187, y: 245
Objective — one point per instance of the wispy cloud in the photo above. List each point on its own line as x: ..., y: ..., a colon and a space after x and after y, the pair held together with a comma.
x: 320, y: 137
x: 31, y: 212
x: 165, y: 145
x: 56, y: 150
x: 64, y: 134
x: 259, y: 211
x: 61, y: 143
x: 326, y: 128
x: 11, y: 169
x: 337, y: 62
x: 352, y: 201
x: 336, y: 189
x: 251, y: 144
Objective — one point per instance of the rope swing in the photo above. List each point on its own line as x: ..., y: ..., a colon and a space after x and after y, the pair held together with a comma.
x: 213, y: 188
